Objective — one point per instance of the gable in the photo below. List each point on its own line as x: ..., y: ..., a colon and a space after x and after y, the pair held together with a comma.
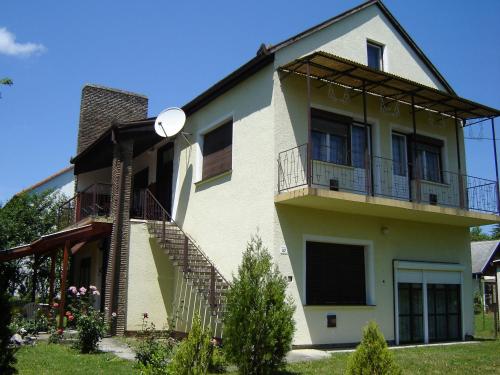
x: 347, y: 35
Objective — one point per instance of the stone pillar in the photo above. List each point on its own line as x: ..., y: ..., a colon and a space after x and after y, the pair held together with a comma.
x: 115, y: 298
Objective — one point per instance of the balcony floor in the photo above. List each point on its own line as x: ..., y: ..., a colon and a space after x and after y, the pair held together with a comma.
x: 323, y: 199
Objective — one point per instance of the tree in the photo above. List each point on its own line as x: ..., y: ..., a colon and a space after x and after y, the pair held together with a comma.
x: 477, y: 234
x: 372, y: 357
x: 6, y: 82
x: 258, y: 322
x: 23, y: 219
x: 7, y: 359
x: 495, y: 233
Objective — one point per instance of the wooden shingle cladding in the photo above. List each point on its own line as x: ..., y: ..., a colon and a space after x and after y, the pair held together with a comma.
x: 218, y: 150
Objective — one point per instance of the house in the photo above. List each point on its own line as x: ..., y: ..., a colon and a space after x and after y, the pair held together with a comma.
x: 483, y: 255
x: 62, y: 182
x: 342, y: 146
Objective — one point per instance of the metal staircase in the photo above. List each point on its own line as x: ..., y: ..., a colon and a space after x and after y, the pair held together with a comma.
x: 196, y: 267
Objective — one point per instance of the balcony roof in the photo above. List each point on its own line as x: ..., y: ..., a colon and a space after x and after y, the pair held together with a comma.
x: 337, y: 70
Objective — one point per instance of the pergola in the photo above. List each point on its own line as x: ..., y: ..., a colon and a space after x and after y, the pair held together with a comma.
x: 362, y: 80
x: 70, y: 240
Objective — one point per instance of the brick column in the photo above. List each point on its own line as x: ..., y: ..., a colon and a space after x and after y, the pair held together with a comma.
x: 115, y: 298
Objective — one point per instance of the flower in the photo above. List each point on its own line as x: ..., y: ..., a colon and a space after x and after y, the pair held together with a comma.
x: 68, y: 313
x: 55, y: 305
x: 83, y: 290
x: 113, y: 315
x: 145, y: 315
x: 60, y: 331
x: 96, y: 293
x: 92, y: 287
x: 72, y: 289
x: 71, y: 317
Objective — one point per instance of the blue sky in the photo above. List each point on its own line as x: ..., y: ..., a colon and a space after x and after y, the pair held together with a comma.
x: 172, y: 51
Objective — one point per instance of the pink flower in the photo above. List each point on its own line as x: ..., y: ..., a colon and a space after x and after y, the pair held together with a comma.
x: 145, y: 315
x: 68, y: 313
x: 83, y: 290
x: 96, y: 293
x: 72, y: 289
x: 71, y: 317
x: 60, y: 331
x: 55, y: 305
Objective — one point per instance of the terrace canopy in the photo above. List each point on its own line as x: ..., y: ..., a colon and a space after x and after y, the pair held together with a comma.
x: 334, y: 69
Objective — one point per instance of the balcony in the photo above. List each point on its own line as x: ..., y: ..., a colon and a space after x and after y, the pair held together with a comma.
x: 377, y: 186
x: 93, y: 202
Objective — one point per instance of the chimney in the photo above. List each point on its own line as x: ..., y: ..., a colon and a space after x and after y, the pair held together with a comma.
x: 101, y: 106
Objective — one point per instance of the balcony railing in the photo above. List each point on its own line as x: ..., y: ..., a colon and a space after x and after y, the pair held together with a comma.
x: 383, y: 177
x: 92, y: 202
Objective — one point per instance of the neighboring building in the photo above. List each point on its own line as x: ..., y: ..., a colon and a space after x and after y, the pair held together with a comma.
x: 62, y: 182
x: 342, y: 146
x: 483, y: 255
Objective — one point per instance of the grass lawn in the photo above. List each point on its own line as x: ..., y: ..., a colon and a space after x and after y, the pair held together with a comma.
x: 484, y: 329
x: 51, y: 359
x: 478, y: 358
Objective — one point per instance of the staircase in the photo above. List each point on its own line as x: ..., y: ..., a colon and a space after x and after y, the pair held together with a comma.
x: 196, y: 267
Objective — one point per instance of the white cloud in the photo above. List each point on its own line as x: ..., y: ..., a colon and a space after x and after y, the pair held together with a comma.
x: 9, y: 46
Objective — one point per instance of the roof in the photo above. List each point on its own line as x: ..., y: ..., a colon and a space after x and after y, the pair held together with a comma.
x: 265, y: 56
x: 481, y: 254
x: 45, y: 180
x: 338, y: 70
x: 391, y: 19
x: 75, y: 236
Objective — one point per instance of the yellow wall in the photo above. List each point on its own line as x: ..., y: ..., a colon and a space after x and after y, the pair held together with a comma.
x: 405, y: 240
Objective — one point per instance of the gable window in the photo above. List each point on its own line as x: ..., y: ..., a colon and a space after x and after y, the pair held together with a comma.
x: 375, y: 56
x: 335, y: 274
x: 217, y: 150
x: 337, y: 139
x: 429, y: 159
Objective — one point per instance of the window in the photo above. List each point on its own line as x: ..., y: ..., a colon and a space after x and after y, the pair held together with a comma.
x: 335, y: 274
x: 399, y: 154
x: 429, y: 158
x: 337, y: 139
x: 375, y: 56
x: 217, y: 150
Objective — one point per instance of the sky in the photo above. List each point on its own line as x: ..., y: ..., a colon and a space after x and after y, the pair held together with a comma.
x: 172, y: 51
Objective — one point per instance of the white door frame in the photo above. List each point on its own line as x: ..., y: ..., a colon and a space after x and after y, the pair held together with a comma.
x: 425, y: 268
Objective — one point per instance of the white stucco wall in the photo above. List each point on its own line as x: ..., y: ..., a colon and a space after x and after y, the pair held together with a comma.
x: 348, y: 37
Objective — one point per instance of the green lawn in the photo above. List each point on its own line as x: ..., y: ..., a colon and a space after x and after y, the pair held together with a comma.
x: 478, y: 358
x: 51, y: 359
x: 484, y: 329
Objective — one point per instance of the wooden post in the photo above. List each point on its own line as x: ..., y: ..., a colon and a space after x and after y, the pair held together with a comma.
x: 34, y: 279
x: 64, y: 275
x: 52, y: 277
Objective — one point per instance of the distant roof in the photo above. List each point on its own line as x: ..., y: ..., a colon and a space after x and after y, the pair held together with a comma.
x: 45, y: 180
x: 481, y: 254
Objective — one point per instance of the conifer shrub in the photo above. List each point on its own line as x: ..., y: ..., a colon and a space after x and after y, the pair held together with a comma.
x: 258, y: 322
x: 372, y: 356
x: 192, y: 356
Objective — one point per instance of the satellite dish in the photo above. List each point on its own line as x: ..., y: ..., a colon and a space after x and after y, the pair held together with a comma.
x: 170, y: 122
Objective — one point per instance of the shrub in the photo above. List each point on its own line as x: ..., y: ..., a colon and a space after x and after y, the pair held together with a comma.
x: 154, y: 350
x: 478, y: 303
x: 193, y: 354
x: 7, y: 359
x: 218, y: 362
x: 372, y: 355
x: 89, y: 321
x: 258, y: 323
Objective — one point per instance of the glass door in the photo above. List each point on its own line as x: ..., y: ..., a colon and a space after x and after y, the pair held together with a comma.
x: 400, y: 180
x: 443, y: 302
x: 410, y: 302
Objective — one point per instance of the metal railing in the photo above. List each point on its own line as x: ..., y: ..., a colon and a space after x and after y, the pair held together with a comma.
x: 192, y: 259
x: 374, y: 175
x: 94, y: 201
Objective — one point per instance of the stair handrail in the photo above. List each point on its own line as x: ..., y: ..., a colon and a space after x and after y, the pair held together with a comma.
x: 197, y: 247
